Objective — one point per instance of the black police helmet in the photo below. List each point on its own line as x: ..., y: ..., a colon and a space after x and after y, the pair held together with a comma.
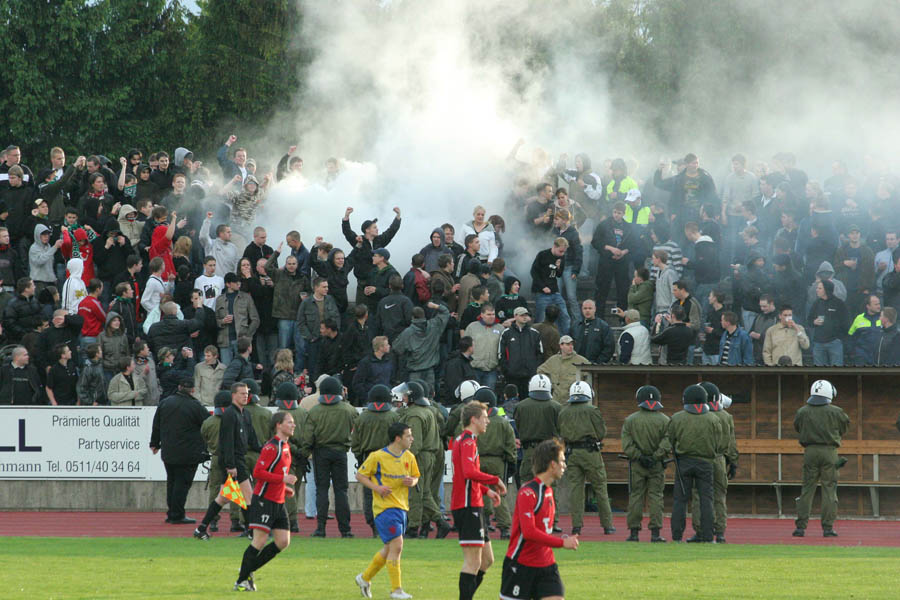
x: 331, y: 386
x: 287, y: 391
x: 222, y: 399
x: 417, y: 393
x: 380, y: 393
x: 486, y: 395
x: 649, y: 397
x: 712, y: 390
x: 694, y: 394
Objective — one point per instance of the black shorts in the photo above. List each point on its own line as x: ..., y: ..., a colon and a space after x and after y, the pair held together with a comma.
x: 471, y: 525
x: 267, y: 515
x: 519, y: 582
x: 243, y: 473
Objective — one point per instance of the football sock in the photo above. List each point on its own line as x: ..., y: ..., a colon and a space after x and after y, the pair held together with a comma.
x: 377, y: 563
x: 265, y: 555
x: 250, y: 555
x: 393, y: 567
x: 211, y: 513
x: 479, y: 577
x: 466, y: 586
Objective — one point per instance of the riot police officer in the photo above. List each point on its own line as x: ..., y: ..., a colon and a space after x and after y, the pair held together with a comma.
x: 437, y: 474
x: 496, y: 449
x: 724, y: 467
x: 287, y: 399
x: 371, y: 434
x: 260, y: 419
x: 583, y: 429
x: 465, y: 393
x: 537, y: 419
x: 209, y: 431
x: 426, y: 443
x: 821, y: 426
x: 645, y: 444
x: 696, y: 438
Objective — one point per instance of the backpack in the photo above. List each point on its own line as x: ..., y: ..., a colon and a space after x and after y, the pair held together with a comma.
x: 423, y: 291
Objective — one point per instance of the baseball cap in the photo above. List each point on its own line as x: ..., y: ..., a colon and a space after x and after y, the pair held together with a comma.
x: 566, y: 339
x: 368, y: 223
x: 520, y: 310
x: 633, y: 195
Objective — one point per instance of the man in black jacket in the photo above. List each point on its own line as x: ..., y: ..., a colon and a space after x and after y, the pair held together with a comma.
x: 239, y: 368
x: 371, y: 241
x: 547, y: 267
x: 689, y: 189
x: 592, y: 335
x: 22, y: 314
x: 19, y: 381
x: 64, y: 329
x: 520, y: 351
x: 172, y: 332
x: 704, y: 264
x: 677, y: 337
x: 330, y: 357
x: 394, y: 312
x: 888, y: 351
x: 459, y: 368
x: 176, y: 430
x: 613, y: 240
x: 236, y: 436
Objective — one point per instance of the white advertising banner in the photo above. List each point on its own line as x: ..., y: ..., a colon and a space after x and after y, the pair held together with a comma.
x: 93, y: 443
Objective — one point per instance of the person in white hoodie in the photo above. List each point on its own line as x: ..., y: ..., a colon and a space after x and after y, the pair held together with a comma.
x: 40, y: 258
x: 485, y: 232
x: 74, y: 290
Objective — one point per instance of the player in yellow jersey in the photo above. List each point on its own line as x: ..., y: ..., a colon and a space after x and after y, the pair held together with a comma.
x: 389, y: 473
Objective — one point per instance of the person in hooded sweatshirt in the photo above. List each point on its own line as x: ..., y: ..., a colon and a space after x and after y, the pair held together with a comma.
x: 825, y: 271
x: 115, y: 345
x: 418, y: 344
x: 510, y: 300
x: 334, y: 266
x: 128, y: 223
x: 74, y: 290
x: 434, y: 250
x: 829, y: 321
x: 488, y: 249
x: 245, y: 203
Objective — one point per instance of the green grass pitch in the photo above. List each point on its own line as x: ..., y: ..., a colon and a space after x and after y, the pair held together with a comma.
x: 114, y: 568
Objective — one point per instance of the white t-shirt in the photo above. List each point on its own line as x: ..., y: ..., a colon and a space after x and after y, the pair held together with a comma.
x: 210, y: 287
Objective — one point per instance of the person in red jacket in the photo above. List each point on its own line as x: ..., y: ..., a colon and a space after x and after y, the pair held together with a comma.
x: 77, y: 244
x: 467, y: 502
x: 529, y: 569
x: 92, y: 312
x: 267, y: 513
x: 161, y: 245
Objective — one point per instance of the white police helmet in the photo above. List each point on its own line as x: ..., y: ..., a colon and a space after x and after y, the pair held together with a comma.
x: 579, y: 392
x: 724, y: 400
x: 539, y: 387
x: 466, y: 390
x: 822, y: 392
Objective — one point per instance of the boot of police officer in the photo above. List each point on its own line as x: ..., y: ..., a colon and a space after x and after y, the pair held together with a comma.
x: 287, y: 399
x: 696, y: 438
x: 426, y: 441
x: 582, y: 427
x: 645, y: 444
x: 326, y: 438
x: 537, y: 419
x: 209, y: 431
x: 725, y: 466
x: 370, y: 434
x: 496, y: 449
x: 821, y: 426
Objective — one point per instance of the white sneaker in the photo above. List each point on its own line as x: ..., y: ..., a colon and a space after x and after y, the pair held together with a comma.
x: 399, y: 594
x: 365, y: 588
x: 244, y: 586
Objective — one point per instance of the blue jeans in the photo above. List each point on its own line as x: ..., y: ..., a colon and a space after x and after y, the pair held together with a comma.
x: 569, y: 287
x: 289, y: 337
x: 227, y: 353
x: 748, y: 316
x: 828, y: 354
x: 689, y: 359
x: 710, y: 359
x: 542, y: 301
x: 266, y: 345
x: 486, y: 378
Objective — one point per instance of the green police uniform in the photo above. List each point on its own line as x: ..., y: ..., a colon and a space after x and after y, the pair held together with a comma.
x: 536, y: 421
x: 426, y: 443
x: 582, y: 427
x: 644, y: 435
x: 300, y: 416
x: 437, y: 474
x: 209, y: 430
x: 720, y: 476
x: 496, y: 449
x: 260, y: 419
x: 821, y: 426
x: 369, y: 435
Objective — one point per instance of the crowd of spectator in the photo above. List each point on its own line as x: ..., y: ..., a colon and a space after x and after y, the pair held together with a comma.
x: 119, y: 280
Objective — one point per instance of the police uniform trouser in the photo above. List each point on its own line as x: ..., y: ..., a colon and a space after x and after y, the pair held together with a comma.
x: 818, y: 466
x: 494, y: 465
x: 720, y: 490
x: 422, y: 507
x: 690, y: 472
x: 331, y: 469
x: 437, y: 477
x: 649, y: 484
x: 215, y: 481
x: 587, y: 465
x: 290, y: 502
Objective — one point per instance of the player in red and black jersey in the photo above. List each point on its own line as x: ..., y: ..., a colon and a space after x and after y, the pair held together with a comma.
x: 267, y: 513
x: 467, y: 502
x: 529, y: 569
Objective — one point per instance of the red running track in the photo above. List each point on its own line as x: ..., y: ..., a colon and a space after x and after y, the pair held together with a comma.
x: 142, y: 524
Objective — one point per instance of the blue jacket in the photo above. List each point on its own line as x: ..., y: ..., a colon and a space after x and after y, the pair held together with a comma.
x: 372, y: 371
x: 741, y: 352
